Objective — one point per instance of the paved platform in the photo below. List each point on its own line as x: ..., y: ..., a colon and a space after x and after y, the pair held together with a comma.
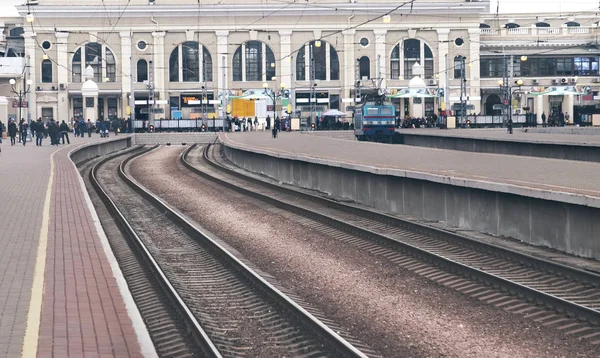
x: 61, y: 291
x: 519, y: 135
x: 554, y: 179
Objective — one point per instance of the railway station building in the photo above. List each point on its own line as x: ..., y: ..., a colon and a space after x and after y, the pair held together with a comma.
x: 189, y: 55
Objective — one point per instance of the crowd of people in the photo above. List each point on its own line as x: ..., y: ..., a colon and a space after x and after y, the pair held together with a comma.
x: 555, y: 119
x: 429, y: 121
x: 58, y: 133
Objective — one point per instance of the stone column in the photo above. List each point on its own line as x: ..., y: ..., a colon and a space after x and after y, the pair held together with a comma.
x: 222, y: 44
x: 4, y: 112
x: 568, y: 106
x: 30, y: 53
x: 380, y: 52
x: 126, y: 71
x: 349, y: 67
x: 539, y: 108
x: 158, y: 57
x: 62, y: 72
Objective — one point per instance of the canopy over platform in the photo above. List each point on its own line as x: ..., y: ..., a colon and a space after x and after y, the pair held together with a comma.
x: 558, y: 91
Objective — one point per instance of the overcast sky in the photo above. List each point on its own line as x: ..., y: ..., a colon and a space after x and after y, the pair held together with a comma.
x: 506, y: 6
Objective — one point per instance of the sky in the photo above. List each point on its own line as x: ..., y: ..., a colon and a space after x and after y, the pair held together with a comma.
x: 506, y: 6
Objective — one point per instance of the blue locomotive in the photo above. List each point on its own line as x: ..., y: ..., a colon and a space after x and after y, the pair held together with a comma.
x: 375, y: 121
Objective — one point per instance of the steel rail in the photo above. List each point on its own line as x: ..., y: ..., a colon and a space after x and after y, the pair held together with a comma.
x: 343, y: 347
x: 559, y: 304
x: 198, y: 334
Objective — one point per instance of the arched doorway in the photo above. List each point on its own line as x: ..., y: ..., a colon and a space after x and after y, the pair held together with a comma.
x: 489, y: 105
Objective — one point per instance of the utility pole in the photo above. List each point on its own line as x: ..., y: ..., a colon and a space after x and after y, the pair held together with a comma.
x: 506, y: 77
x: 224, y: 93
x: 204, y: 93
x: 463, y: 92
x: 313, y: 95
x: 380, y: 90
x: 28, y: 92
x: 447, y: 92
x: 132, y: 96
x: 150, y: 92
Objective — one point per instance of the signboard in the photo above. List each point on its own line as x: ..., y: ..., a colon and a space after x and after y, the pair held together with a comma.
x: 468, y: 107
x: 195, y: 99
x: 304, y: 97
x: 176, y: 115
x: 15, y: 103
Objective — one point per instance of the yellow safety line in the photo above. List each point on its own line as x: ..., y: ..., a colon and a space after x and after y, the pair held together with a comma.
x: 30, y: 341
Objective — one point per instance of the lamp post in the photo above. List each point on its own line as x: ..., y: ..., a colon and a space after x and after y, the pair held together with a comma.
x: 508, y: 94
x: 20, y: 92
x: 274, y: 96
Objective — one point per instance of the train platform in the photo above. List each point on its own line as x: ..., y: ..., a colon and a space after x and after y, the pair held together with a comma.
x: 524, y: 135
x: 539, y: 201
x: 62, y: 293
x: 553, y: 179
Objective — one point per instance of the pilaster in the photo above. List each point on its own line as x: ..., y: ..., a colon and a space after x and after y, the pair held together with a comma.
x: 442, y: 53
x: 222, y: 44
x: 349, y: 63
x: 126, y: 64
x: 380, y: 52
x: 62, y: 75
x: 285, y: 67
x: 30, y: 55
x: 158, y: 51
x: 473, y: 66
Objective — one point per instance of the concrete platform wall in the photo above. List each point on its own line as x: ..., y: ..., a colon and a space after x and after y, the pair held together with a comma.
x: 87, y: 152
x: 566, y: 227
x: 174, y: 138
x: 544, y: 150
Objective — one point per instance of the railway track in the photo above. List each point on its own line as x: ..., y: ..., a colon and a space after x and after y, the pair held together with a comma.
x: 550, y: 293
x: 228, y: 308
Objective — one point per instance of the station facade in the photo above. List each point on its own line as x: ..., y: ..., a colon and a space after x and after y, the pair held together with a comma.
x: 181, y: 52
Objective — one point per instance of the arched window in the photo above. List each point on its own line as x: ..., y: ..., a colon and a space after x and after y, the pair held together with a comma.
x: 94, y: 54
x: 542, y: 24
x: 364, y: 68
x: 458, y: 67
x: 185, y: 64
x: 408, y: 55
x: 512, y: 25
x: 572, y: 24
x: 46, y: 71
x: 325, y: 60
x: 484, y: 26
x: 142, y: 70
x: 253, y: 61
x: 16, y: 32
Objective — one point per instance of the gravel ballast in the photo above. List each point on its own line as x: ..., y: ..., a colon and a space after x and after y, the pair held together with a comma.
x: 397, y: 312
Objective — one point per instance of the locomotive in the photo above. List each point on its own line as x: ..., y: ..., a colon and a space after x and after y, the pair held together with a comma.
x: 375, y: 120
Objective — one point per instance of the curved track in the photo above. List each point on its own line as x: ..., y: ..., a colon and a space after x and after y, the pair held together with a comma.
x: 241, y: 313
x: 491, y: 273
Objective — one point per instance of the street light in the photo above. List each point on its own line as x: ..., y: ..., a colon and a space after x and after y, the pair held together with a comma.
x: 20, y: 92
x: 273, y: 96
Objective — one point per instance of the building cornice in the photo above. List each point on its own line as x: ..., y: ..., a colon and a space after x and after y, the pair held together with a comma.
x: 417, y: 8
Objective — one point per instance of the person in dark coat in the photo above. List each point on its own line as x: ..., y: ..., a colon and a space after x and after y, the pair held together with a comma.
x: 39, y: 132
x: 12, y: 131
x: 64, y: 132
x: 53, y: 132
x: 276, y: 127
x: 23, y: 127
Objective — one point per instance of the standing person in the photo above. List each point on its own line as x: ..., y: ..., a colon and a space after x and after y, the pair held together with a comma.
x: 89, y: 127
x: 39, y: 132
x: 12, y: 131
x: 268, y: 122
x: 82, y: 128
x: 543, y: 119
x: 276, y: 127
x: 567, y: 117
x: 23, y: 127
x: 2, y: 129
x: 255, y: 123
x: 64, y: 132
